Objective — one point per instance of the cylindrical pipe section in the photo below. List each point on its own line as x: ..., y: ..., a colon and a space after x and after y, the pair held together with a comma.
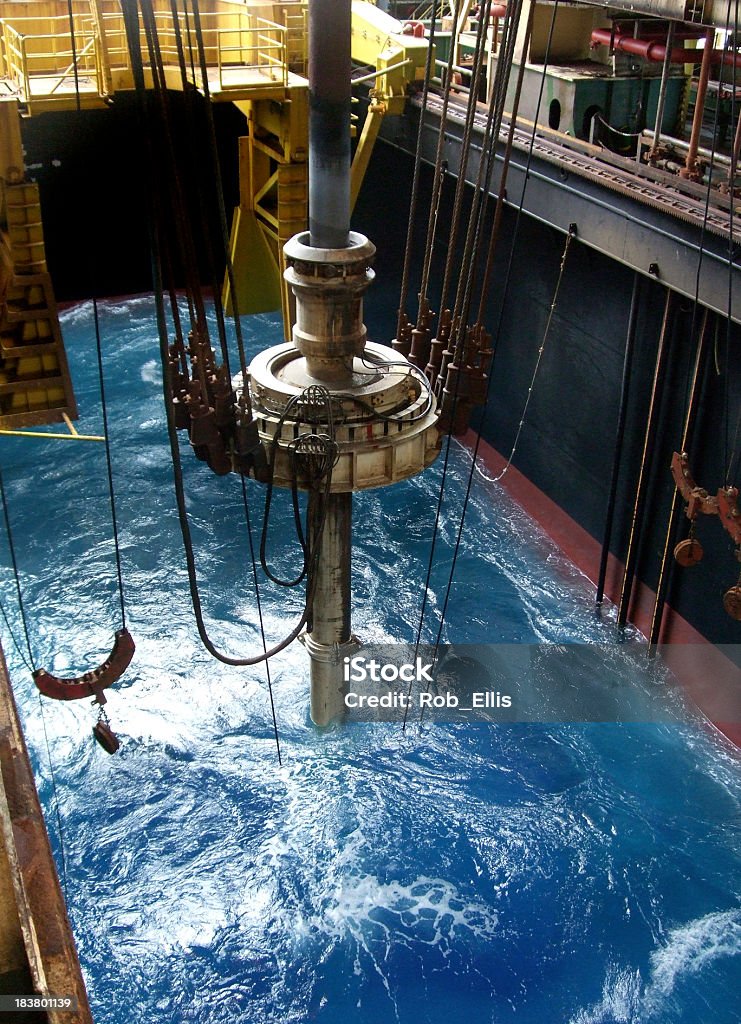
x: 702, y: 88
x: 652, y: 50
x: 662, y: 88
x: 329, y: 123
x: 330, y: 617
x: 329, y: 285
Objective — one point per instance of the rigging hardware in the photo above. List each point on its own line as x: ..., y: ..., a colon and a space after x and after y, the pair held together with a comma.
x: 724, y: 505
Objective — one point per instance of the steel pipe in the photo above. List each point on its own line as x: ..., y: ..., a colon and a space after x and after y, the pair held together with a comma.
x: 330, y: 24
x: 690, y: 169
x: 330, y: 635
x: 656, y: 51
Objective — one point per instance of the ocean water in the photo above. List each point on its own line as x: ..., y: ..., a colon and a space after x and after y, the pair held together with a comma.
x: 477, y: 872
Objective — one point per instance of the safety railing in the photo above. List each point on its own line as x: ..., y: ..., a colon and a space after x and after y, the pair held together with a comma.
x: 239, y: 46
x: 296, y: 39
x: 46, y: 64
x: 241, y: 49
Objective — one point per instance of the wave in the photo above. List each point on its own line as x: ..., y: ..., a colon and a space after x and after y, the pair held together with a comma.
x: 689, y: 950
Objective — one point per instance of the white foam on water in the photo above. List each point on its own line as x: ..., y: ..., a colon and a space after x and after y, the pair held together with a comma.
x: 429, y: 910
x: 691, y: 948
x: 687, y: 951
x: 620, y: 1003
x: 151, y: 372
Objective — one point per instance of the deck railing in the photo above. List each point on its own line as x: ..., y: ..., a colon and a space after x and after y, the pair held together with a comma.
x: 45, y: 63
x: 38, y: 57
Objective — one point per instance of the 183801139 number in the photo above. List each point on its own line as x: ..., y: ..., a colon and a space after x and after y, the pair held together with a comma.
x: 14, y: 1004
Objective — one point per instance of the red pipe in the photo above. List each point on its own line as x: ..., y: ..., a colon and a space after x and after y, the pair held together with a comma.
x: 495, y: 11
x: 656, y: 51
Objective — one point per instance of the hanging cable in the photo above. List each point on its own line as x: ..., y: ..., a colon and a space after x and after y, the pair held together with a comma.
x: 648, y: 442
x: 131, y: 22
x: 479, y: 434
x: 260, y: 620
x: 73, y: 47
x: 619, y: 437
x: 502, y: 188
x: 480, y: 204
x: 521, y: 204
x: 460, y: 184
x: 438, y: 172
x: 19, y: 649
x: 185, y: 525
x: 404, y: 289
x: 730, y: 450
x: 569, y: 237
x: 446, y: 460
x: 109, y: 464
x: 459, y: 533
x: 663, y: 580
x: 214, y: 153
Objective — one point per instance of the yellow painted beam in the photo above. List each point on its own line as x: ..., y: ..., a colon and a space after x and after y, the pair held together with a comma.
x: 256, y: 273
x: 11, y: 146
x: 368, y: 136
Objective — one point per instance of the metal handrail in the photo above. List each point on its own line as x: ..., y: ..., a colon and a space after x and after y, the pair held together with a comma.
x: 233, y: 40
x: 26, y: 62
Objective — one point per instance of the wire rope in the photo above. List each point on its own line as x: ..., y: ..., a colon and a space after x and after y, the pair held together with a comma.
x: 541, y: 350
x: 73, y: 47
x: 480, y: 202
x: 261, y: 621
x: 184, y: 523
x: 438, y: 509
x: 16, y: 574
x: 460, y: 185
x: 404, y: 289
x: 109, y: 463
x: 526, y: 177
x: 214, y: 153
x: 662, y: 583
x: 439, y: 174
x: 506, y: 160
x: 479, y: 434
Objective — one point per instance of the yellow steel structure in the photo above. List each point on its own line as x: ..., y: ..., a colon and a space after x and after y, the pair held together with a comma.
x: 273, y: 182
x: 398, y: 58
x: 49, y: 61
x: 56, y: 55
x: 35, y: 385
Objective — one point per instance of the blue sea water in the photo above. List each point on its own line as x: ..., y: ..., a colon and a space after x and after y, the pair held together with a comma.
x: 575, y: 873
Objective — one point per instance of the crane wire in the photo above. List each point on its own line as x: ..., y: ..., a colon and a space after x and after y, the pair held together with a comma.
x: 109, y: 464
x: 441, y: 489
x: 569, y: 238
x: 131, y: 21
x: 465, y: 146
x: 521, y: 204
x: 439, y: 173
x: 404, y: 289
x: 460, y: 185
x: 479, y: 431
x: 481, y: 197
